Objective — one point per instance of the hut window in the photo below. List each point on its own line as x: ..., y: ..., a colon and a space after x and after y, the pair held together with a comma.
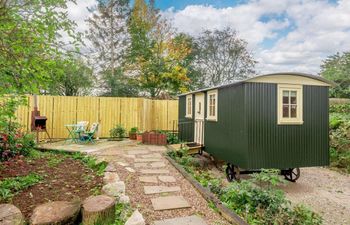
x: 212, y: 105
x: 189, y: 106
x: 290, y: 105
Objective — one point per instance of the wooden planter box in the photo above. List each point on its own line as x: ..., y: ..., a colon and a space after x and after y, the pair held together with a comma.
x: 153, y: 138
x: 132, y: 136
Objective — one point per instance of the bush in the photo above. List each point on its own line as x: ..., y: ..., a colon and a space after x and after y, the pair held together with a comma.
x: 339, y: 108
x: 117, y: 132
x: 134, y: 130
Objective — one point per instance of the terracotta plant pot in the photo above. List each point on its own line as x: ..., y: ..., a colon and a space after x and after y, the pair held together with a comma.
x: 139, y: 137
x: 132, y: 136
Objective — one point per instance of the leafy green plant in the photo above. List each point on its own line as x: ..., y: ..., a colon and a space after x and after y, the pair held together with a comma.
x: 10, y: 186
x: 90, y: 162
x: 122, y: 213
x: 117, y: 132
x: 134, y: 130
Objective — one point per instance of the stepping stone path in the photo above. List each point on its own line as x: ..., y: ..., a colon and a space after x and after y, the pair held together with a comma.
x: 160, y: 189
x: 153, y: 172
x: 188, y: 220
x: 148, y: 179
x: 169, y: 202
x: 167, y: 179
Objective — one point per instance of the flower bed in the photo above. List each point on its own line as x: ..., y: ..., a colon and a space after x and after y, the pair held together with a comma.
x: 41, y: 177
x: 257, y: 200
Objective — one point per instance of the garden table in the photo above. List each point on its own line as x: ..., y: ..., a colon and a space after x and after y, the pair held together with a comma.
x: 72, y: 135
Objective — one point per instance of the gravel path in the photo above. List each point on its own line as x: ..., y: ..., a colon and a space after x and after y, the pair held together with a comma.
x: 124, y: 157
x: 325, y: 191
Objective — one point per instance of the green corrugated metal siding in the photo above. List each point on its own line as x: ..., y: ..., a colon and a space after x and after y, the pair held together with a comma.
x: 226, y: 139
x: 284, y: 146
x: 186, y: 126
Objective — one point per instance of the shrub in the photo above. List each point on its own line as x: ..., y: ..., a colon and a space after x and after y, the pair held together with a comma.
x: 117, y: 132
x: 339, y: 108
x: 134, y: 130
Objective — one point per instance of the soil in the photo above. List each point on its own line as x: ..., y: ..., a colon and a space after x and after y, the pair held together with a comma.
x: 64, y: 179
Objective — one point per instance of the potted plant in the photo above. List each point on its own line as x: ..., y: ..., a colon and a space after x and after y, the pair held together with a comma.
x: 132, y: 133
x: 139, y: 136
x: 117, y: 133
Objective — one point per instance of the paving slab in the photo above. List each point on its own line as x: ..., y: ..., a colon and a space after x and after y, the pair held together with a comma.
x: 167, y: 179
x: 131, y: 170
x: 138, y: 165
x: 148, y: 179
x: 137, y: 152
x: 188, y: 220
x: 149, y: 160
x: 153, y: 155
x: 154, y: 171
x: 160, y: 189
x: 157, y: 164
x: 123, y: 164
x: 169, y: 202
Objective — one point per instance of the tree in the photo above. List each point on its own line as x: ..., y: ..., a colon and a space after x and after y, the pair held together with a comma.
x: 337, y: 68
x: 108, y: 33
x: 222, y: 57
x: 118, y: 84
x: 155, y: 57
x: 30, y: 43
x: 74, y: 78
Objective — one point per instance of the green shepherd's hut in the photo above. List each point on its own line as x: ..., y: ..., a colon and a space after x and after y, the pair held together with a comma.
x: 275, y: 120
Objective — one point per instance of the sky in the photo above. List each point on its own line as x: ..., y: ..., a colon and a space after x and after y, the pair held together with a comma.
x: 282, y: 35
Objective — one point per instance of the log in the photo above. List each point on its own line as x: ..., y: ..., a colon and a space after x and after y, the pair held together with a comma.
x: 98, y: 210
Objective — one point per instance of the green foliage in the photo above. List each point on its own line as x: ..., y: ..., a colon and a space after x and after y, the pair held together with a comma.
x: 90, y: 162
x: 10, y: 186
x: 172, y: 138
x: 117, y: 132
x: 30, y: 43
x: 339, y: 108
x: 122, y: 213
x: 73, y: 78
x: 257, y: 200
x: 337, y: 68
x: 134, y: 130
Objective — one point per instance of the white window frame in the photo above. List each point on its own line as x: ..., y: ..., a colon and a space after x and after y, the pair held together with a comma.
x: 298, y: 120
x: 189, y: 113
x: 215, y: 116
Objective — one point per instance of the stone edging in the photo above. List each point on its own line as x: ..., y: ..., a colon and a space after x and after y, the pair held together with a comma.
x: 210, y: 197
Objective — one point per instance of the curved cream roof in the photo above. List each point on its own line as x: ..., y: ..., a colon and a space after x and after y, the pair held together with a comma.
x: 278, y: 78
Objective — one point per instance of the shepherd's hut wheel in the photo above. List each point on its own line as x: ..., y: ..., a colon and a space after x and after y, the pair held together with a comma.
x: 200, y: 151
x: 292, y: 174
x: 230, y: 172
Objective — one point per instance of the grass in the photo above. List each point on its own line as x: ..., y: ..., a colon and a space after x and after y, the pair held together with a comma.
x: 10, y: 186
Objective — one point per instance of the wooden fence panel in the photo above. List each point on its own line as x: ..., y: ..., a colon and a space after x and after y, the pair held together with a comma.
x: 146, y: 114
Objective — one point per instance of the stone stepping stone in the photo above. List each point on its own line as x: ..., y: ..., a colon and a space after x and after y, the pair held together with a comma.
x: 169, y: 202
x: 138, y: 165
x: 60, y: 212
x: 188, y: 220
x: 157, y: 164
x: 148, y: 179
x: 110, y: 177
x: 123, y: 164
x: 98, y: 209
x: 131, y: 170
x: 154, y: 171
x: 154, y: 155
x: 10, y: 215
x: 136, y: 219
x: 167, y: 179
x: 149, y: 160
x: 114, y: 189
x: 160, y: 189
x: 137, y: 152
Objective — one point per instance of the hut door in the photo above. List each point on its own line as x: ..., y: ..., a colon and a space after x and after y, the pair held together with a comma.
x: 199, y: 119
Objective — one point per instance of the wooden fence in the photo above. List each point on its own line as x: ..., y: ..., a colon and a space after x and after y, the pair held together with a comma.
x: 146, y: 114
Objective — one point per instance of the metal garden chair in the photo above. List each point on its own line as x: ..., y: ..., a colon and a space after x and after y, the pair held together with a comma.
x: 88, y: 136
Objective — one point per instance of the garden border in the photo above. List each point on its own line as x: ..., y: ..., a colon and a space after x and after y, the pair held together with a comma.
x: 210, y: 197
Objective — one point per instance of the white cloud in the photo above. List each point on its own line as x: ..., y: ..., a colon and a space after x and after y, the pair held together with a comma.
x: 319, y: 29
